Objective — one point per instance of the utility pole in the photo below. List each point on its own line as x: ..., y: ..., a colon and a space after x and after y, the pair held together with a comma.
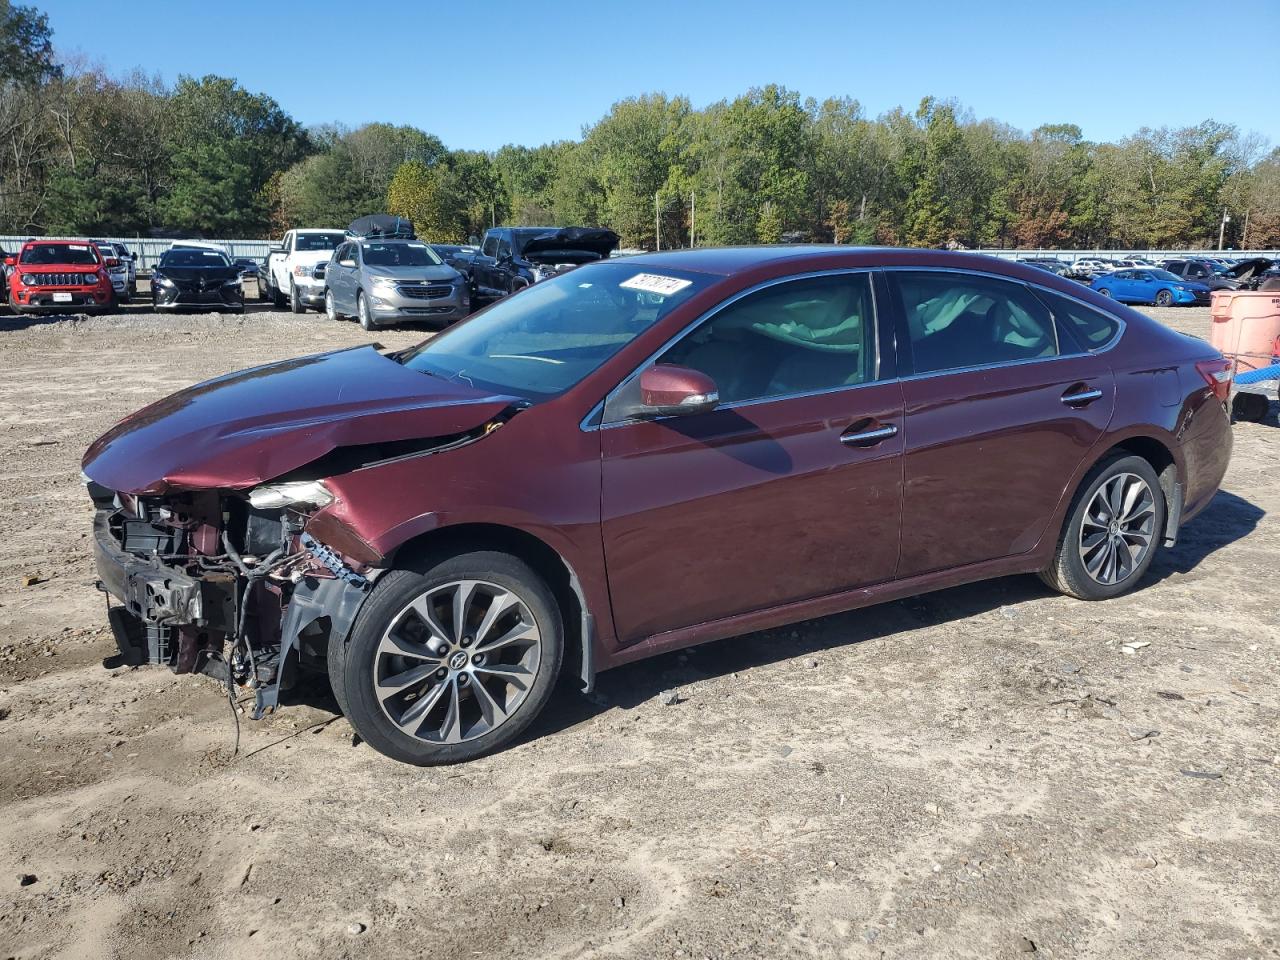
x: 693, y: 213
x: 657, y: 226
x: 1222, y: 227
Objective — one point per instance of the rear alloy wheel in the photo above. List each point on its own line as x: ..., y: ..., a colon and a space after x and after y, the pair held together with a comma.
x: 1164, y: 299
x: 1116, y: 522
x: 452, y: 663
x: 330, y: 308
x: 362, y: 309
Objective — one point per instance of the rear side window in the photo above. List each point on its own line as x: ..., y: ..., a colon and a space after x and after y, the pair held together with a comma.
x: 1092, y: 328
x: 959, y: 320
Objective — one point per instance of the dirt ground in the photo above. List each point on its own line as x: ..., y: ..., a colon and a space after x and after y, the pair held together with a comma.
x: 980, y: 773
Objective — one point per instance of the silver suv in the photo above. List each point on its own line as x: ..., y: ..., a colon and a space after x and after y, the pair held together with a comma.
x: 384, y: 281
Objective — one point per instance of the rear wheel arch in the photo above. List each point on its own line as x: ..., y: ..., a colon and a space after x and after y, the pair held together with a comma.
x: 579, y: 620
x: 1151, y: 449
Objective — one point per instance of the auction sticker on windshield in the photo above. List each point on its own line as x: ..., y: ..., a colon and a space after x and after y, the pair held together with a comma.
x: 655, y: 283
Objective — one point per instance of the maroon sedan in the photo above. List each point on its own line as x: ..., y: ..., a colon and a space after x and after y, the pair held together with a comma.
x: 641, y: 455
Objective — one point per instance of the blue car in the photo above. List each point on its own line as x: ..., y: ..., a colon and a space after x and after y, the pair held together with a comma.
x: 1160, y: 287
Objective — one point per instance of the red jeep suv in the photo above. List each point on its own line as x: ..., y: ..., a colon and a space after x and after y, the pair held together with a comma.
x: 53, y: 275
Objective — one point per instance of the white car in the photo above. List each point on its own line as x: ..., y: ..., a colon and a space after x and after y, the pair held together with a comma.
x: 1091, y: 265
x: 295, y: 269
x: 124, y: 274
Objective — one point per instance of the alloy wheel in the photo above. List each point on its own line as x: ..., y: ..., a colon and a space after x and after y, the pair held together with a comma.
x: 329, y: 307
x: 457, y: 661
x: 1118, y: 528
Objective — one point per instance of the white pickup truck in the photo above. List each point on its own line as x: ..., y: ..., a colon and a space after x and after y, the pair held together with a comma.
x: 295, y: 268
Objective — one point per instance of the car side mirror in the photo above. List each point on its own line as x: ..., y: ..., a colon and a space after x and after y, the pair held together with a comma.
x: 275, y: 250
x: 667, y: 390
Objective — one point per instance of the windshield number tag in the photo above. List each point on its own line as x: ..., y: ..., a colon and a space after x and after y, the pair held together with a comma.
x: 655, y: 283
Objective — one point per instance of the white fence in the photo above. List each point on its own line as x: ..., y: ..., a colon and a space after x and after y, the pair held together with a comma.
x: 148, y: 250
x: 1128, y: 253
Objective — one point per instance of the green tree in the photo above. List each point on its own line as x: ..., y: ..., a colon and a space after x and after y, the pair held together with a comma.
x: 26, y: 45
x: 429, y: 196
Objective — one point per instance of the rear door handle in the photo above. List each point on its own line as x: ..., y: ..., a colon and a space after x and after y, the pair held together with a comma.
x: 869, y: 437
x: 1082, y: 397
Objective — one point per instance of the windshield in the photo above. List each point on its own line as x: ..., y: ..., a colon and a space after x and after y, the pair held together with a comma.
x: 78, y: 254
x: 317, y: 241
x: 194, y: 258
x: 549, y: 336
x: 1163, y: 275
x: 399, y: 255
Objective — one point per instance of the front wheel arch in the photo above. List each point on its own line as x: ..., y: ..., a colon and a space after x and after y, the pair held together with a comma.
x: 578, y: 618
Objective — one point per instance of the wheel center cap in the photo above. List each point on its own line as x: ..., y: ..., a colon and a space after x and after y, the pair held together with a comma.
x: 458, y: 660
x: 1115, y: 527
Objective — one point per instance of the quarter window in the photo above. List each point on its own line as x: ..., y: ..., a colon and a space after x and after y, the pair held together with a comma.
x: 1092, y: 328
x: 957, y: 320
x: 796, y: 337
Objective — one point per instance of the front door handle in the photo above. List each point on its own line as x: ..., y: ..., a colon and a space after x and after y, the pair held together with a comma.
x: 869, y: 437
x: 1082, y: 397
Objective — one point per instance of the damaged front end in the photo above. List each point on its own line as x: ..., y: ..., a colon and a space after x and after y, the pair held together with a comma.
x: 226, y: 583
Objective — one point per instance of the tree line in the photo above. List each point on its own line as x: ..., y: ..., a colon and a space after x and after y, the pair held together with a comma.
x: 85, y: 153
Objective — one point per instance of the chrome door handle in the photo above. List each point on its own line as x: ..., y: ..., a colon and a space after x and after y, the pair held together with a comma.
x: 1081, y: 398
x: 869, y: 438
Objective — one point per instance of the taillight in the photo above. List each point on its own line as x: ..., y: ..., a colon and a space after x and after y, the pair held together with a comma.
x: 1217, y: 374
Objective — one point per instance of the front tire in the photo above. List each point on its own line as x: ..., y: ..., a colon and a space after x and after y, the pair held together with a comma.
x: 1114, y: 526
x: 450, y: 662
x: 1164, y: 299
x: 295, y: 301
x: 362, y: 310
x: 1105, y: 292
x: 278, y: 299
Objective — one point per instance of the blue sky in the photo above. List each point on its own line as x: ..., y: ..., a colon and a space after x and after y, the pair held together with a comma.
x: 481, y: 73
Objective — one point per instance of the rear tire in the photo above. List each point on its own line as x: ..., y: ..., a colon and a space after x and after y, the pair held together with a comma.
x: 474, y: 708
x: 1249, y: 407
x: 1080, y: 566
x: 1105, y: 292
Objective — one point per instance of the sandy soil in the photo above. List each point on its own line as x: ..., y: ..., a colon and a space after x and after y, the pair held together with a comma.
x: 982, y: 773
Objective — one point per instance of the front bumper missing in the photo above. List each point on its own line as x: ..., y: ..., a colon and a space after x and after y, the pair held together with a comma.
x: 168, y: 615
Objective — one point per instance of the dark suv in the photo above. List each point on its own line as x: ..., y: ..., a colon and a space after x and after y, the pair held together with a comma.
x: 1202, y: 272
x: 512, y: 258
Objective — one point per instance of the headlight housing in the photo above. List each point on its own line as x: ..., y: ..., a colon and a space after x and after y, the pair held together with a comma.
x: 275, y: 496
x: 28, y: 280
x: 161, y: 281
x: 385, y: 283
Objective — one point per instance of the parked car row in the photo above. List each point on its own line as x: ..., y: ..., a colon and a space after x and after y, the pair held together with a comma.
x: 379, y: 272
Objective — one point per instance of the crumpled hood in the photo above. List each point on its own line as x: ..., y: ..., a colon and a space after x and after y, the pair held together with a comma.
x: 570, y: 245
x: 249, y: 427
x: 1248, y: 269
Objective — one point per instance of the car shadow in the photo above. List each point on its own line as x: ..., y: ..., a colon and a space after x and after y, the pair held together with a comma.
x: 1227, y: 519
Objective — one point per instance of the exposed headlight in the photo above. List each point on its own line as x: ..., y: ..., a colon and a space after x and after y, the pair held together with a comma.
x: 28, y: 280
x: 273, y: 496
x: 385, y: 283
x: 161, y: 281
x: 90, y: 278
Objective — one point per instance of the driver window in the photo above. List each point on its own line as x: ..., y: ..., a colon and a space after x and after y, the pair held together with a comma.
x: 504, y: 248
x: 490, y: 248
x: 797, y: 337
